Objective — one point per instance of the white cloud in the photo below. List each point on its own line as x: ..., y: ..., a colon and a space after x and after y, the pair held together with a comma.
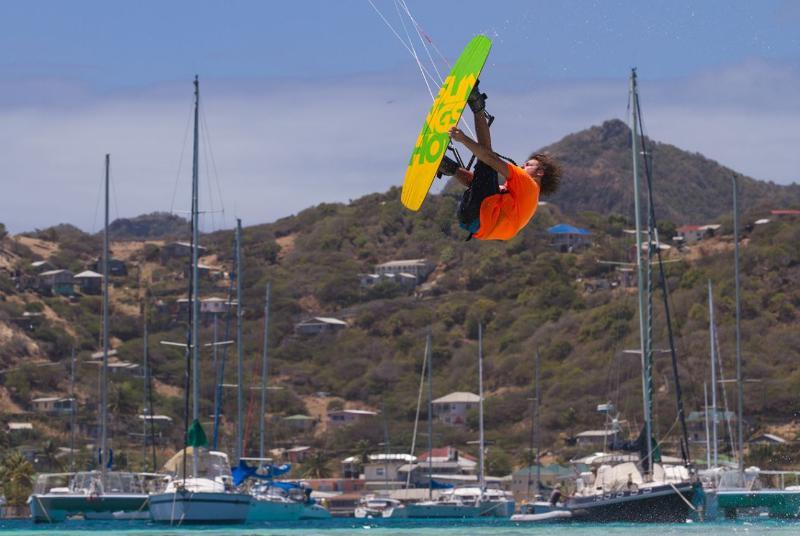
x: 285, y: 145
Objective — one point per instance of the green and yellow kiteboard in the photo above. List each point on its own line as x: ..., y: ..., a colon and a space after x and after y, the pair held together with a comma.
x: 444, y: 114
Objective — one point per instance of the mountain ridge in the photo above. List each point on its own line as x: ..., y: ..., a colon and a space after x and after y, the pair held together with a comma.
x: 525, y: 294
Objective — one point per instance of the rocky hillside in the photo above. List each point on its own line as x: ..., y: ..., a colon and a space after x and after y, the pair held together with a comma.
x: 578, y: 313
x: 688, y: 187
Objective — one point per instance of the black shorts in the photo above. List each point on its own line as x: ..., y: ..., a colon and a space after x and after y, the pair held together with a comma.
x: 484, y: 184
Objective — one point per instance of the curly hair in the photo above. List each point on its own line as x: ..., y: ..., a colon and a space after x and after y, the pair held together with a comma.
x: 552, y: 172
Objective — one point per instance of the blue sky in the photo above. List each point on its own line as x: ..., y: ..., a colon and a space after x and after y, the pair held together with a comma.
x: 311, y: 101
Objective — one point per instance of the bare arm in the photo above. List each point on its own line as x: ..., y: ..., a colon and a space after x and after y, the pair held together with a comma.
x: 483, y: 153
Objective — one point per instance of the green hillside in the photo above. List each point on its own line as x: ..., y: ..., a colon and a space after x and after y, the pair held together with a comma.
x: 528, y: 297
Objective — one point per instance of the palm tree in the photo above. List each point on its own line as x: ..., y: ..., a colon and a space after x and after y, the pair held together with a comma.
x: 362, y: 447
x: 16, y: 476
x: 315, y: 466
x: 49, y: 457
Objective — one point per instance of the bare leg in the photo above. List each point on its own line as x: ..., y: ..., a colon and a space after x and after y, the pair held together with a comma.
x: 482, y: 130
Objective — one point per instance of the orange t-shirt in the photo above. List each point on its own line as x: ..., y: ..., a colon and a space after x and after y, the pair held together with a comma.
x: 503, y: 215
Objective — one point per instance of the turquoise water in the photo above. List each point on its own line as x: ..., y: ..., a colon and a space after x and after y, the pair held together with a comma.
x: 353, y: 527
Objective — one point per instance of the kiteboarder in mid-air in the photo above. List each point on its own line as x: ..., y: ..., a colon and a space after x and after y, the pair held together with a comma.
x: 488, y: 210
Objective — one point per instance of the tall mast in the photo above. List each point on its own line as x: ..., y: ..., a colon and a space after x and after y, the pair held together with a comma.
x: 73, y: 411
x: 104, y: 373
x: 194, y: 299
x: 739, y: 380
x: 480, y: 407
x: 538, y: 441
x: 239, y: 347
x: 264, y: 372
x: 708, y: 432
x: 643, y: 320
x: 713, y: 335
x: 148, y: 411
x: 429, y: 358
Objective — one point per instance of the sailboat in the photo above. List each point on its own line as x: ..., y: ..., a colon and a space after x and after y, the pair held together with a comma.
x: 272, y: 500
x: 200, y: 486
x: 649, y: 491
x: 743, y: 488
x: 463, y: 501
x: 102, y: 493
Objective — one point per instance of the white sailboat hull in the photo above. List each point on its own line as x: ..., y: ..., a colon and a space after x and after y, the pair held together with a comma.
x: 434, y: 510
x: 181, y: 507
x: 266, y: 510
x: 56, y: 507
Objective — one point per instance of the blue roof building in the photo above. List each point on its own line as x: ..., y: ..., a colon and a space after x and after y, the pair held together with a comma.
x: 568, y: 238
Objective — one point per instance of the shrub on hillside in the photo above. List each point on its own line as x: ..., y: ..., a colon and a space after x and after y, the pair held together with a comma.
x: 54, y: 341
x: 612, y: 319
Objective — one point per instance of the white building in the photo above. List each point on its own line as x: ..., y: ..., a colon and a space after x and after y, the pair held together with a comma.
x: 689, y: 234
x: 453, y: 408
x: 342, y: 417
x: 419, y: 268
x: 319, y: 324
x: 53, y: 405
x: 381, y: 472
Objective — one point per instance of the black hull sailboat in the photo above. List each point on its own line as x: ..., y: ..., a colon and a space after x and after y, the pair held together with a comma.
x: 657, y: 504
x: 647, y: 491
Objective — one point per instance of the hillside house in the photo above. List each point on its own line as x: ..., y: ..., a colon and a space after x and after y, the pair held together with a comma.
x: 767, y: 439
x: 20, y: 430
x: 404, y: 280
x: 343, y: 417
x: 447, y: 464
x: 382, y: 470
x: 209, y: 308
x: 53, y: 405
x: 466, y: 462
x: 593, y: 284
x: 351, y: 467
x: 696, y: 425
x: 55, y: 283
x: 785, y: 212
x: 153, y: 428
x: 177, y: 250
x: 116, y: 267
x: 124, y: 368
x: 300, y: 424
x: 419, y: 268
x: 596, y: 439
x: 567, y: 238
x: 28, y: 321
x: 318, y: 325
x: 205, y: 271
x: 690, y: 234
x: 452, y: 409
x: 41, y: 266
x: 89, y: 282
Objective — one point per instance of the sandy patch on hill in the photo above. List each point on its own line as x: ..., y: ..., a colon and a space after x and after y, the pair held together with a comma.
x: 54, y: 318
x: 310, y: 304
x: 286, y: 244
x: 317, y: 407
x: 167, y: 390
x: 212, y: 261
x: 124, y: 251
x: 42, y: 248
x: 789, y: 431
x: 7, y: 258
x: 8, y: 406
x: 705, y: 248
